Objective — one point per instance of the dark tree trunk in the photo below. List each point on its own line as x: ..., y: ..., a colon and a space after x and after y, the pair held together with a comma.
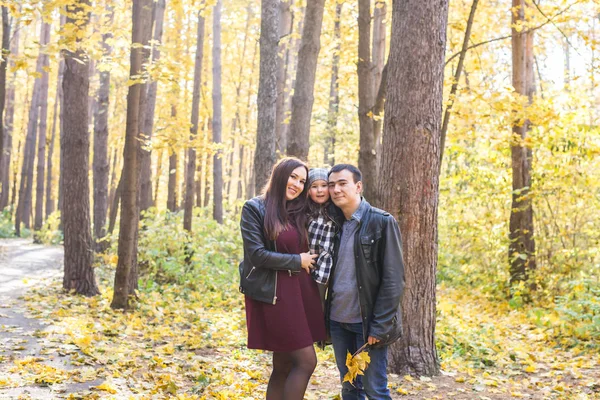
x: 191, y: 161
x: 367, y: 156
x: 173, y: 175
x: 113, y: 180
x: 100, y: 162
x: 303, y: 99
x: 126, y: 273
x: 43, y: 124
x: 457, y: 74
x: 217, y: 116
x: 264, y: 156
x: 521, y: 251
x: 334, y: 92
x: 159, y: 161
x: 114, y: 206
x: 55, y: 120
x: 283, y: 57
x: 146, y: 161
x: 75, y: 147
x: 411, y: 149
x: 7, y: 97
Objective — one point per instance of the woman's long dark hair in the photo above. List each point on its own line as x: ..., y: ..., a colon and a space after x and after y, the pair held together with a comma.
x: 280, y: 213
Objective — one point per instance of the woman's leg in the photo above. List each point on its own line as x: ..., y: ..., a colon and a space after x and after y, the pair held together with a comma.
x: 304, y: 362
x: 282, y: 364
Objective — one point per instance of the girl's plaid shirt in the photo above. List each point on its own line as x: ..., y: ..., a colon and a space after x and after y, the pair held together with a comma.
x: 320, y: 237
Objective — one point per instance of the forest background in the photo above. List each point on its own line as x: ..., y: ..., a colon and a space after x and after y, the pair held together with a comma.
x: 200, y: 154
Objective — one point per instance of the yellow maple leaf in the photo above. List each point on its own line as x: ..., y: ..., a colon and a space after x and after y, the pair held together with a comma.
x: 356, y: 366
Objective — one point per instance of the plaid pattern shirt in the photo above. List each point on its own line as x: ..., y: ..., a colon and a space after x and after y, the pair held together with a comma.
x: 320, y: 238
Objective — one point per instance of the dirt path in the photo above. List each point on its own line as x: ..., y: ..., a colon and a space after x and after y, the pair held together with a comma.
x: 24, y: 265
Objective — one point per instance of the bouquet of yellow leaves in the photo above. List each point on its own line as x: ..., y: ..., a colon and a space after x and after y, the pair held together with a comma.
x: 357, y: 363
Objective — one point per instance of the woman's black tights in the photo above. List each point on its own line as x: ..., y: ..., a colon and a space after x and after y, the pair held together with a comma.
x: 291, y: 373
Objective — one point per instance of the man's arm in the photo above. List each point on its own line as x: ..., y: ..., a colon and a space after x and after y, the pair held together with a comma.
x: 392, y: 281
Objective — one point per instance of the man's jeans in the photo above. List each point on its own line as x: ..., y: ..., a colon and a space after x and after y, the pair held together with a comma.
x: 349, y: 337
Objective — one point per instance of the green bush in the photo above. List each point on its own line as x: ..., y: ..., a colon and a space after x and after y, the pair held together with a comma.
x: 7, y: 226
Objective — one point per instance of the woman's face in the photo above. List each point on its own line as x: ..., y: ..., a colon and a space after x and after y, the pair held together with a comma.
x: 319, y: 192
x: 295, y: 183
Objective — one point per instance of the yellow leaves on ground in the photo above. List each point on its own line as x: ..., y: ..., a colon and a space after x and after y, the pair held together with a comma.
x: 357, y: 365
x: 106, y: 387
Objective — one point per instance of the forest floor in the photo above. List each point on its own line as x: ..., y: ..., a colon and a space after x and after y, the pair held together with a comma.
x: 188, y: 343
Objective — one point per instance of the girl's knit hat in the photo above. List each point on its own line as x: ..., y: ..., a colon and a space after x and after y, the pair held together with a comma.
x: 316, y: 174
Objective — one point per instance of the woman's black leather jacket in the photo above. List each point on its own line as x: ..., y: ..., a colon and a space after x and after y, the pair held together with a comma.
x: 258, y: 271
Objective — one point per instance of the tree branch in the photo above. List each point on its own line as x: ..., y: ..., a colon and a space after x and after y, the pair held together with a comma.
x: 549, y: 20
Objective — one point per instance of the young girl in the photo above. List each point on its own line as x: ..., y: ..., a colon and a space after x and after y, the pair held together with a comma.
x: 283, y: 311
x: 321, y: 228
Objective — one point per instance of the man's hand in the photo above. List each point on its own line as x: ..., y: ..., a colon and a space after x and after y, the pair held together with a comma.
x: 372, y: 340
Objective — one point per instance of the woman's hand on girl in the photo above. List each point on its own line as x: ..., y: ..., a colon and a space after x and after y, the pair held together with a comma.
x: 307, y: 261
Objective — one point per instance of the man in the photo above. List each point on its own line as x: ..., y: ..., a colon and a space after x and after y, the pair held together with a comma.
x: 366, y: 284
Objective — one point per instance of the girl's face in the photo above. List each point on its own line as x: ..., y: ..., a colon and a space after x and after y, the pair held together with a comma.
x: 295, y: 183
x: 319, y: 192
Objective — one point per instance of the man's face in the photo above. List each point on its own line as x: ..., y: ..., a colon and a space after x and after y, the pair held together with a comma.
x: 344, y: 192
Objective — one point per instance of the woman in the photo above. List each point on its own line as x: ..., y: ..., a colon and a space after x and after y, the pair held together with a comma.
x: 321, y: 228
x: 283, y: 311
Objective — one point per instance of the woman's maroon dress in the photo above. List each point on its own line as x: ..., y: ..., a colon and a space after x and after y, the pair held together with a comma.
x: 296, y: 319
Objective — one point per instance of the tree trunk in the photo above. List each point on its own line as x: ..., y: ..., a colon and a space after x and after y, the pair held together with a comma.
x: 24, y: 203
x: 79, y: 272
x: 303, y: 99
x: 217, y: 116
x: 114, y: 207
x: 43, y: 124
x: 367, y: 155
x: 55, y: 118
x: 3, y: 61
x: 159, y: 161
x: 285, y: 29
x: 334, y: 90
x: 264, y: 156
x: 128, y: 227
x: 457, y: 74
x: 521, y: 251
x: 378, y: 54
x: 411, y: 149
x: 146, y: 161
x: 191, y: 165
x: 172, y: 188
x: 100, y: 162
x: 113, y: 179
x: 6, y: 98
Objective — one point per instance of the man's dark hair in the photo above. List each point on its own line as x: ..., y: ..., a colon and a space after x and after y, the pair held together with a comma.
x: 356, y: 174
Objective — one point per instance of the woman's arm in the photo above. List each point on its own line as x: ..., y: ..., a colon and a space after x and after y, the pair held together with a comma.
x: 255, y: 244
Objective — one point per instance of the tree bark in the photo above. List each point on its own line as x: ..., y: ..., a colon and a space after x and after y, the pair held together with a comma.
x: 303, y: 99
x: 146, y: 161
x: 217, y: 116
x: 521, y: 251
x: 367, y: 155
x: 3, y: 63
x: 173, y: 180
x: 49, y: 166
x: 7, y: 98
x: 191, y: 166
x: 100, y: 161
x: 43, y: 124
x: 25, y: 186
x: 79, y: 272
x: 128, y: 226
x: 264, y: 156
x: 378, y: 57
x: 334, y: 90
x: 457, y: 74
x: 411, y: 148
x: 285, y: 29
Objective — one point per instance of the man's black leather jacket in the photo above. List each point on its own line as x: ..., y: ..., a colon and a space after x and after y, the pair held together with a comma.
x: 379, y: 274
x: 258, y: 271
